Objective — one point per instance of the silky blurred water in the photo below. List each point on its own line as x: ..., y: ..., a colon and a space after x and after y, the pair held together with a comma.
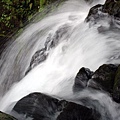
x: 80, y: 46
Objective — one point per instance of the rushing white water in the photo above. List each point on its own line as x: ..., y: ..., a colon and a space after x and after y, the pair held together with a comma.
x: 99, y: 101
x: 80, y: 46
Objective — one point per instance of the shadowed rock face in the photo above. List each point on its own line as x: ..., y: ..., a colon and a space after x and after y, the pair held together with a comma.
x: 105, y: 78
x: 109, y: 12
x: 112, y: 7
x: 81, y: 79
x: 116, y: 87
x: 42, y: 107
x: 39, y: 107
x: 77, y: 112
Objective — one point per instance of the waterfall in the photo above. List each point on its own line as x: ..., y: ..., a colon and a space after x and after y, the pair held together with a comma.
x: 78, y: 45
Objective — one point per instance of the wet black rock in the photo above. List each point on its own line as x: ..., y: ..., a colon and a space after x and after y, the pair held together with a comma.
x: 102, y: 79
x: 104, y: 76
x: 37, y: 58
x: 43, y: 107
x: 112, y: 7
x: 109, y: 13
x: 81, y: 79
x: 77, y: 112
x: 39, y: 107
x: 116, y: 88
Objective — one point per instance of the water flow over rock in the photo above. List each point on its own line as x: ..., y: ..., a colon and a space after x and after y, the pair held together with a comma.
x: 62, y: 51
x: 38, y: 106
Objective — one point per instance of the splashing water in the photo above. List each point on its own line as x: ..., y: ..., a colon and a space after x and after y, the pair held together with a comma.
x: 80, y: 46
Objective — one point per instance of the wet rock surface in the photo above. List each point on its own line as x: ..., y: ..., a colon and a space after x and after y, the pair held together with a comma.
x: 43, y: 107
x: 105, y: 78
x: 109, y: 12
x: 81, y: 79
x: 112, y: 7
x: 77, y: 112
x: 51, y: 42
x: 95, y: 13
x: 116, y: 87
x: 39, y: 107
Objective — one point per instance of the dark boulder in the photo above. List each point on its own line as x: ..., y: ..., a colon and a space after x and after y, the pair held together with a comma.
x: 109, y: 13
x: 81, y: 79
x: 77, y: 112
x: 43, y: 107
x: 39, y: 107
x: 112, y: 7
x: 104, y: 76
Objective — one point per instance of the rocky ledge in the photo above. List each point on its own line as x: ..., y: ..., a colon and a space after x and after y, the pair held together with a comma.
x: 109, y: 12
x: 43, y: 107
x: 106, y: 78
x: 38, y: 106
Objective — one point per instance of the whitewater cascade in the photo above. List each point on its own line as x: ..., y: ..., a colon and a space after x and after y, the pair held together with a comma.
x: 79, y: 45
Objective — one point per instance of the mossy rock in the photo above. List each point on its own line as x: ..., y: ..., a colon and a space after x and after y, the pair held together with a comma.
x: 4, y: 116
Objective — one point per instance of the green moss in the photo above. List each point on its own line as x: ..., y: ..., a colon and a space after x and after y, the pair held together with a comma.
x: 15, y: 13
x: 4, y: 116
